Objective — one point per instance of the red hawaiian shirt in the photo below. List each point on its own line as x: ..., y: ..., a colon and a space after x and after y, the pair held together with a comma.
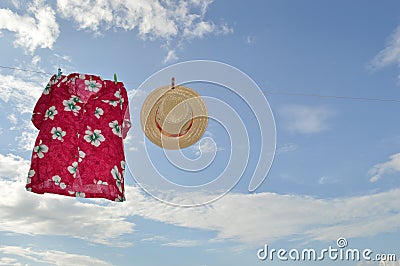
x: 79, y: 149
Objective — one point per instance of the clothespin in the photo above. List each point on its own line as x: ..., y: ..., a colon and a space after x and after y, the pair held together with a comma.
x: 115, y: 78
x: 172, y: 83
x: 59, y: 73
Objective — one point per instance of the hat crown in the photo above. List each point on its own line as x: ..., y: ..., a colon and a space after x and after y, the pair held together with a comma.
x: 174, y: 114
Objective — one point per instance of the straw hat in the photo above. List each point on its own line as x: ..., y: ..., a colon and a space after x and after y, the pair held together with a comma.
x: 174, y: 117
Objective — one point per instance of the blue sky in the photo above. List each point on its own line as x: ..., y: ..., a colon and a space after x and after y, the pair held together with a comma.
x: 337, y: 162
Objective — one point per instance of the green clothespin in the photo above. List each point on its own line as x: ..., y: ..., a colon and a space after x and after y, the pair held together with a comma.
x: 115, y: 78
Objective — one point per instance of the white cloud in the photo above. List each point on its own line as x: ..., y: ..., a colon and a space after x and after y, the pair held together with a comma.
x: 285, y: 216
x: 285, y: 148
x: 306, y: 119
x: 131, y: 142
x: 88, y: 14
x: 53, y: 257
x: 27, y: 137
x: 66, y: 58
x: 13, y: 167
x: 35, y: 60
x: 199, y: 30
x: 182, y: 243
x: 13, y: 119
x: 4, y: 261
x: 250, y: 39
x: 153, y: 19
x: 22, y: 92
x: 323, y: 180
x: 133, y: 148
x: 368, y: 263
x: 379, y: 263
x: 205, y: 145
x: 24, y: 212
x: 169, y: 243
x: 136, y: 93
x: 389, y: 263
x: 21, y: 95
x: 37, y: 28
x: 390, y: 54
x: 171, y: 56
x: 391, y: 166
x: 225, y: 29
x: 154, y: 239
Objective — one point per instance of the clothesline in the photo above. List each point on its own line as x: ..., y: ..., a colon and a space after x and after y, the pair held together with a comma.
x: 338, y: 97
x: 33, y: 71
x: 26, y: 70
x: 271, y: 92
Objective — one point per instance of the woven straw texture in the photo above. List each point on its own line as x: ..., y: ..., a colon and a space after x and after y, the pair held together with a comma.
x: 174, y: 118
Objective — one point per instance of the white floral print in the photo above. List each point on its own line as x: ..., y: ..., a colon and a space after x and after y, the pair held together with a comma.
x: 92, y: 85
x: 40, y: 149
x: 111, y: 102
x: 75, y: 99
x: 56, y: 179
x: 116, y: 129
x: 118, y: 94
x: 92, y: 123
x: 73, y: 168
x: 50, y: 113
x: 98, y: 112
x: 80, y: 194
x: 47, y: 89
x: 120, y: 98
x: 70, y: 105
x: 81, y: 155
x: 123, y: 166
x: 95, y: 137
x: 31, y: 173
x: 117, y: 176
x: 58, y: 133
x: 99, y: 182
x: 114, y: 103
x: 119, y: 199
x: 54, y: 80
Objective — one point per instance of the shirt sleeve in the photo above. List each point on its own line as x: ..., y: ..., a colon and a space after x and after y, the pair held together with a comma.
x: 126, y: 124
x: 41, y: 105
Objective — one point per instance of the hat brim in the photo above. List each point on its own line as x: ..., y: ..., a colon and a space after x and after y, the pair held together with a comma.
x: 153, y: 132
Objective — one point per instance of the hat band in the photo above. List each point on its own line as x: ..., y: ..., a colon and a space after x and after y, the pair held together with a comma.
x: 166, y: 133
